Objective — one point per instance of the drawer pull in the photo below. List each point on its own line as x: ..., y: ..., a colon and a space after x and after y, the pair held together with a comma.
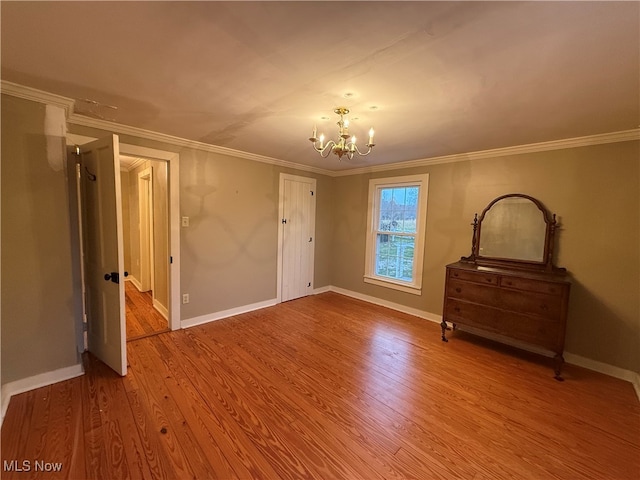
x: 488, y: 279
x: 544, y: 307
x: 455, y: 274
x: 458, y: 290
x: 456, y: 309
x: 509, y: 283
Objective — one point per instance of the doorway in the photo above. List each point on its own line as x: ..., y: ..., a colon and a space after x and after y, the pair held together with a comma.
x: 171, y: 160
x: 146, y: 245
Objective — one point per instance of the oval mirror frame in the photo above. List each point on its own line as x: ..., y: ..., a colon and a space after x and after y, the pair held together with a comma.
x: 503, y: 231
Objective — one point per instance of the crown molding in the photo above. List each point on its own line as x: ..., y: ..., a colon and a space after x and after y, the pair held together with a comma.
x: 33, y: 94
x: 119, y: 128
x: 41, y: 96
x: 599, y: 139
x: 28, y: 93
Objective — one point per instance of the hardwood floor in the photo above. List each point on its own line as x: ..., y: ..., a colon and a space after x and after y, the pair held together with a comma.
x: 142, y: 318
x: 327, y: 387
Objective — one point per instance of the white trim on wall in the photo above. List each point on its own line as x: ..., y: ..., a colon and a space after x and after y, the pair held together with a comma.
x: 35, y: 95
x: 611, y: 370
x: 76, y: 119
x: 135, y: 281
x: 37, y: 381
x: 432, y: 317
x: 162, y: 310
x: 81, y: 120
x: 600, y: 139
x: 212, y: 317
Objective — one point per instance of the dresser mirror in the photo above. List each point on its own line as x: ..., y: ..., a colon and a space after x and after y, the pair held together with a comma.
x: 513, y: 229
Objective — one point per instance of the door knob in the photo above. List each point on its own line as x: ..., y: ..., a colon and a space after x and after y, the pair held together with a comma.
x: 113, y: 276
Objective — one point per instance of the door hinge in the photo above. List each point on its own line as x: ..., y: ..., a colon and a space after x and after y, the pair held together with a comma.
x: 311, y: 239
x: 309, y: 284
x: 171, y: 259
x: 284, y: 220
x: 311, y: 192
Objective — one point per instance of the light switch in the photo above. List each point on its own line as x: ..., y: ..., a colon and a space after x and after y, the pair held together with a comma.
x: 185, y: 221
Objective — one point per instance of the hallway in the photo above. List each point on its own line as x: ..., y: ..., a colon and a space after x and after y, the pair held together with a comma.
x: 142, y: 319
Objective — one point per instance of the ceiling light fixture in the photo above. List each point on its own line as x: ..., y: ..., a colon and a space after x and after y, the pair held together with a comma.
x: 342, y: 146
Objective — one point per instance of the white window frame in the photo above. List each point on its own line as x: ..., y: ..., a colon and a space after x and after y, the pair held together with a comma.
x: 373, y: 216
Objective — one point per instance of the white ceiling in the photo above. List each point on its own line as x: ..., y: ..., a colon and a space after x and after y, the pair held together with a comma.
x: 446, y: 77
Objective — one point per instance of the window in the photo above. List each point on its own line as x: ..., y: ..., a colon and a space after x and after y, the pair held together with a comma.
x: 396, y: 231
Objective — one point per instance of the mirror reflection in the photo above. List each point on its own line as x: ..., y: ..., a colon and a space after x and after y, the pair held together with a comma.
x: 513, y: 228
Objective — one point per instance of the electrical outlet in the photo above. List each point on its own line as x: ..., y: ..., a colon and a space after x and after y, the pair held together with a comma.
x: 185, y: 298
x: 185, y: 221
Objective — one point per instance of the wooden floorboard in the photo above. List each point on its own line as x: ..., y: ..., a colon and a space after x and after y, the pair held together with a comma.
x: 326, y: 387
x: 142, y: 318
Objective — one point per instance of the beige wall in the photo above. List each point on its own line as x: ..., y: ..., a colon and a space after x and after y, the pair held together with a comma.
x: 38, y: 325
x: 126, y: 227
x: 161, y: 232
x: 595, y: 192
x: 229, y: 251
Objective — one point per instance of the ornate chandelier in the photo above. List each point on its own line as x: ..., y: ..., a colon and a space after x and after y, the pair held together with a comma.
x: 342, y: 146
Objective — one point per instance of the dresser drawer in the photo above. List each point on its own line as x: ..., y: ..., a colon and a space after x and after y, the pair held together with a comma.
x: 530, y: 329
x: 536, y: 331
x: 474, y: 315
x: 543, y: 305
x: 476, y: 277
x: 472, y: 292
x: 531, y: 285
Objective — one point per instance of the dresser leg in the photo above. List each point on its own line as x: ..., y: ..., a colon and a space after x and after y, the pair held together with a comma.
x: 443, y: 325
x: 559, y: 361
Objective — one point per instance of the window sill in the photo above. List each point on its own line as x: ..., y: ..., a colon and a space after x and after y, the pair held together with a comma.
x: 403, y: 287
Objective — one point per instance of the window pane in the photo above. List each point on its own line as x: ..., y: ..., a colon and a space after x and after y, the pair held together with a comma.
x: 394, y: 256
x: 398, y: 208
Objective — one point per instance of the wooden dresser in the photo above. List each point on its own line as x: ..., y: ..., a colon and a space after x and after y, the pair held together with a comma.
x: 527, y: 306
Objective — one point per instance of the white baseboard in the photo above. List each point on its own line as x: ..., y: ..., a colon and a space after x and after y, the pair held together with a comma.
x: 319, y: 290
x: 612, y: 371
x: 211, y: 317
x: 41, y: 380
x: 135, y: 282
x: 162, y: 310
x: 432, y: 317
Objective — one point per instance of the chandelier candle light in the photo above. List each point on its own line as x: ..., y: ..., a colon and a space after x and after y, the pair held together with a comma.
x: 342, y: 146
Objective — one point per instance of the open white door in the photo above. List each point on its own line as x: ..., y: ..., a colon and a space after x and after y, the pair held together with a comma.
x: 103, y: 252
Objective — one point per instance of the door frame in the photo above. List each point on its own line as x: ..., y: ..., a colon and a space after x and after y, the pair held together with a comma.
x: 173, y: 160
x: 281, y: 200
x: 147, y: 234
